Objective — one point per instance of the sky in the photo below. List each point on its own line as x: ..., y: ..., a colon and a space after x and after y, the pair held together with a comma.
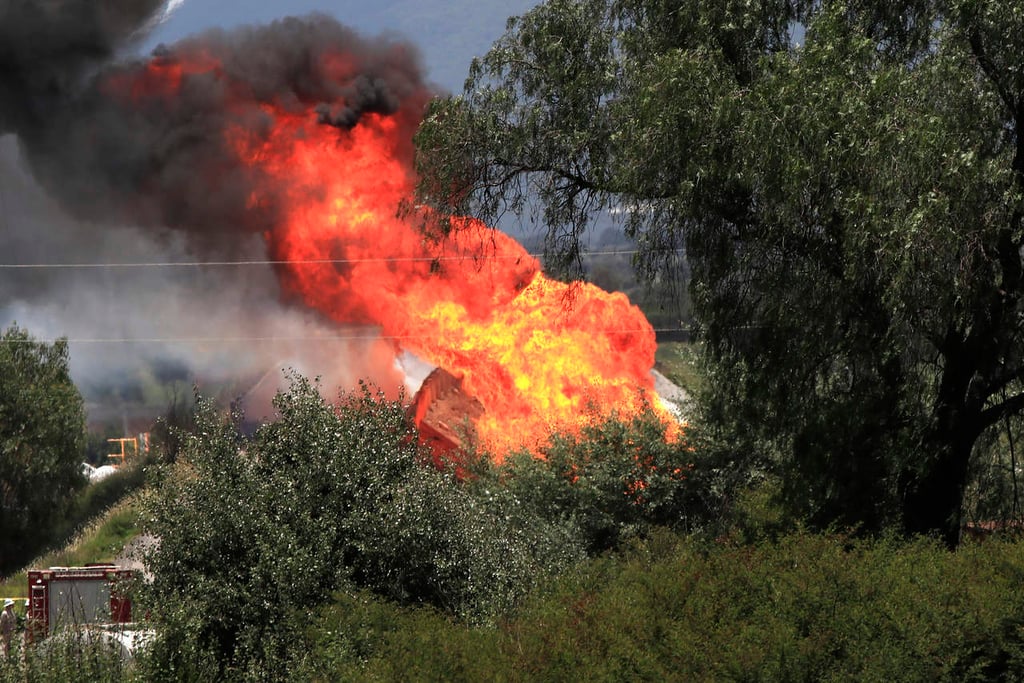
x: 133, y: 328
x: 448, y: 33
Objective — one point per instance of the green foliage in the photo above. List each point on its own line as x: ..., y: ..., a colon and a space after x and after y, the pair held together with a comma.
x: 756, y: 515
x: 99, y: 519
x: 994, y: 492
x: 93, y: 501
x: 254, y: 532
x: 100, y: 496
x: 680, y: 362
x: 72, y: 657
x: 359, y: 637
x: 105, y: 539
x: 803, y: 607
x: 99, y: 541
x: 42, y: 439
x: 852, y: 208
x: 613, y: 482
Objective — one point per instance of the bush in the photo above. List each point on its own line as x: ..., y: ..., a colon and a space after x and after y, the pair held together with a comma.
x: 359, y: 637
x: 614, y: 482
x: 68, y: 657
x: 255, y: 532
x: 803, y: 607
x: 95, y: 499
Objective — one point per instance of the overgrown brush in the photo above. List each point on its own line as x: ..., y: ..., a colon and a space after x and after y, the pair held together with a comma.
x: 257, y: 532
x: 804, y: 607
x: 98, y: 541
x: 68, y: 657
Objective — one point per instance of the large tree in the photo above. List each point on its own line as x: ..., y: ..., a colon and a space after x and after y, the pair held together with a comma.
x: 42, y: 441
x: 845, y: 179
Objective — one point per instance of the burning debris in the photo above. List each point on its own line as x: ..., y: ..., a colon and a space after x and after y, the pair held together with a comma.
x: 445, y: 413
x: 300, y: 134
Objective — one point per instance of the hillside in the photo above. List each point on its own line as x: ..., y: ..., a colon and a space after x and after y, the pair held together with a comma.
x: 100, y: 536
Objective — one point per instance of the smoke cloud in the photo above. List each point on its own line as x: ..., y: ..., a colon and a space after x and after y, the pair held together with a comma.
x: 111, y: 145
x: 48, y: 46
x: 99, y: 166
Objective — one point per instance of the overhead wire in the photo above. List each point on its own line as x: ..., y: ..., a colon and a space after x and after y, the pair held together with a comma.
x: 253, y: 339
x: 266, y: 262
x: 282, y: 262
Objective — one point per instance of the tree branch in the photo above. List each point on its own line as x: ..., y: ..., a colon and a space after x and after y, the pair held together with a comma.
x: 1009, y: 406
x: 990, y: 70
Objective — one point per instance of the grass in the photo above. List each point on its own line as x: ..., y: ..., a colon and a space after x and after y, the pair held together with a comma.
x: 679, y: 362
x: 96, y: 526
x: 99, y: 541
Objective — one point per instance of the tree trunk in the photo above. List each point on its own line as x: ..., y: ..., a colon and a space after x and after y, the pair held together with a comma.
x: 933, y: 493
x: 933, y: 500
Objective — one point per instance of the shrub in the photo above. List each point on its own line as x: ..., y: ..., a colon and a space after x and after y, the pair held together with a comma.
x: 803, y: 607
x: 359, y: 637
x: 257, y: 531
x: 613, y: 482
x: 71, y: 656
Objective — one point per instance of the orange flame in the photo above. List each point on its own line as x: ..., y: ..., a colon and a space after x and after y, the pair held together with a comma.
x: 538, y: 354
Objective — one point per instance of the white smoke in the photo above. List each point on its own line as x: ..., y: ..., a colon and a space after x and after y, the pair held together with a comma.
x: 170, y: 8
x: 215, y: 326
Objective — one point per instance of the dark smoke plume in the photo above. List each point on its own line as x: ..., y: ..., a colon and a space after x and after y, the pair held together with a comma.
x: 133, y: 175
x: 48, y: 46
x: 142, y: 157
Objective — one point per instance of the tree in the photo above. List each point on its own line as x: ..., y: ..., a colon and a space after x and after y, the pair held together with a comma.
x: 851, y: 207
x: 255, y: 532
x: 42, y: 441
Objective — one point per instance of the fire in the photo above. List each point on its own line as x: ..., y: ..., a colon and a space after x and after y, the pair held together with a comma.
x: 539, y: 355
x: 161, y: 79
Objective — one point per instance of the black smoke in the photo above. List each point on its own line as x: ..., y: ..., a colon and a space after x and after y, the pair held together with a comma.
x: 98, y: 167
x: 47, y: 48
x: 113, y: 147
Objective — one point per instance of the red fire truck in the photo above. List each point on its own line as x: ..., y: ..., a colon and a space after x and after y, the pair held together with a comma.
x: 77, y: 596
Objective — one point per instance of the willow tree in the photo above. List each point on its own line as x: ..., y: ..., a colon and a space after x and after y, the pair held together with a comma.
x: 845, y: 180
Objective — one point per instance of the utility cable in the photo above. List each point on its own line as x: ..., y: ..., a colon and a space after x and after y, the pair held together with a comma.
x: 250, y: 339
x: 295, y: 262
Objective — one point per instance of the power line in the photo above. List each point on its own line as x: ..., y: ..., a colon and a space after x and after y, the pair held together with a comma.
x: 3, y: 207
x: 200, y: 264
x: 251, y: 339
x: 282, y: 262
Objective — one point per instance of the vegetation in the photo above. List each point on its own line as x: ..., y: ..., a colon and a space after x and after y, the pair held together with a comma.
x: 664, y: 605
x: 66, y: 658
x: 613, y: 483
x: 674, y: 607
x: 680, y: 363
x: 851, y: 206
x: 804, y: 607
x: 846, y: 180
x: 360, y: 561
x: 42, y: 440
x: 98, y: 541
x: 256, y: 532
